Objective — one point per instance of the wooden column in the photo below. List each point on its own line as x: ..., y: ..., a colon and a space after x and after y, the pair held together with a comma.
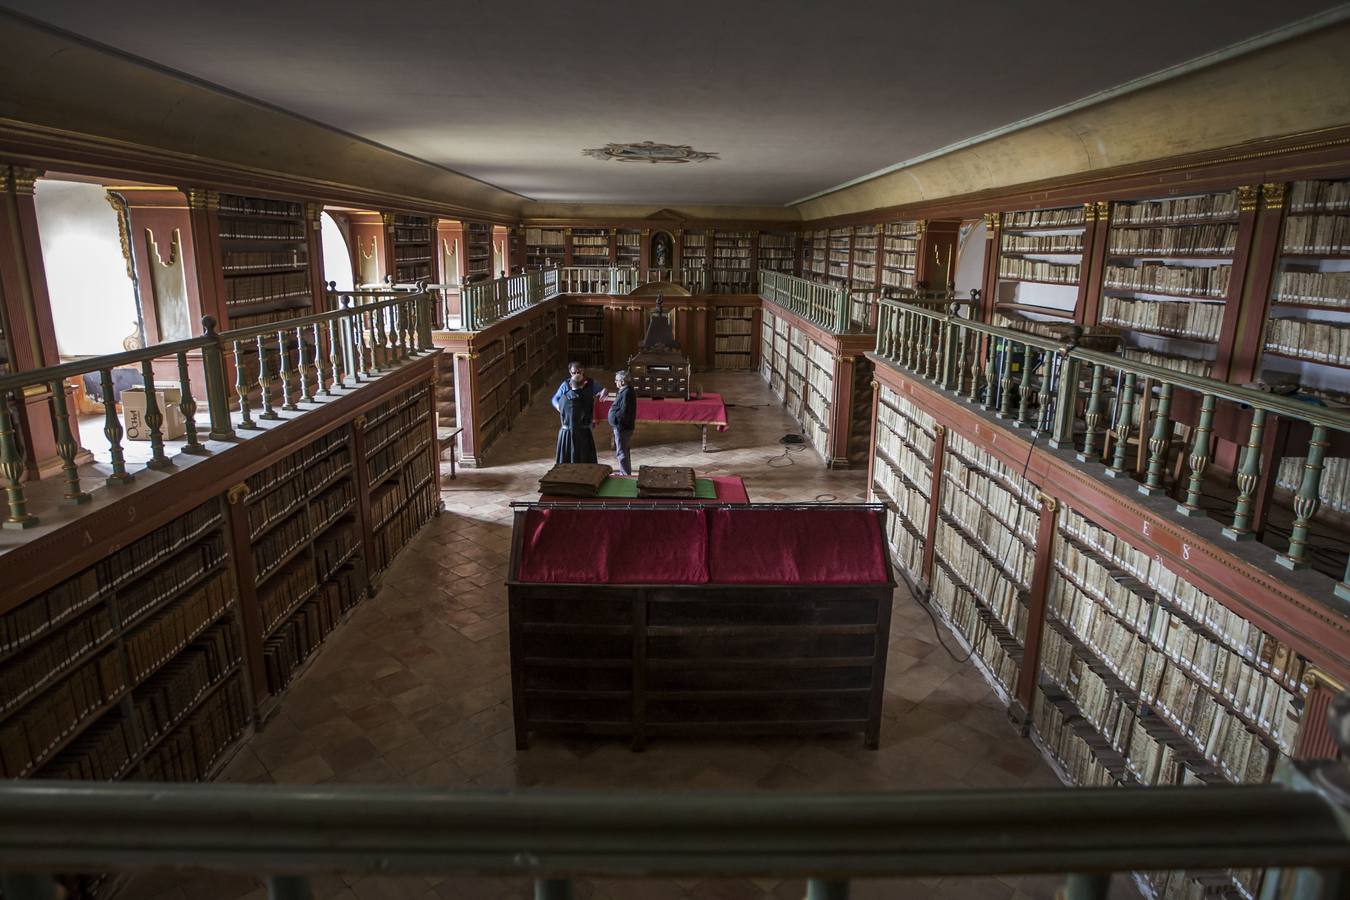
x: 645, y: 249
x: 466, y: 392
x: 245, y: 576
x: 361, y: 479
x: 28, y: 316
x: 567, y: 247
x: 934, y: 503
x: 1092, y: 273
x: 1242, y: 336
x: 1042, y: 569
x: 208, y: 262
x: 989, y: 286
x: 314, y: 253
x: 841, y: 412
x: 677, y: 252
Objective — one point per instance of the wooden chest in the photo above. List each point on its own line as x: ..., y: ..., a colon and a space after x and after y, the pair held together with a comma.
x: 659, y: 373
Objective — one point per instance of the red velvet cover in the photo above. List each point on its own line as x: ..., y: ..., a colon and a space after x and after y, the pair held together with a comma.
x: 707, y: 410
x: 614, y: 546
x: 795, y: 546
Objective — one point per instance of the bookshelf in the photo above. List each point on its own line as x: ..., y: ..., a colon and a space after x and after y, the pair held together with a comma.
x: 902, y: 477
x: 113, y: 672
x: 1040, y: 257
x: 777, y: 251
x: 819, y: 259
x: 545, y: 247
x: 402, y: 465
x: 733, y: 261
x: 477, y: 252
x: 586, y: 335
x: 627, y: 248
x: 733, y: 337
x: 1168, y: 275
x: 413, y: 249
x: 863, y: 269
x: 264, y: 248
x: 590, y: 247
x: 839, y: 240
x: 899, y: 257
x: 694, y: 249
x: 1308, y: 332
x: 511, y: 369
x: 805, y: 371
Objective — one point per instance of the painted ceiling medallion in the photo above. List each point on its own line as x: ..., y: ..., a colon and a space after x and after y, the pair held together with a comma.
x: 647, y: 151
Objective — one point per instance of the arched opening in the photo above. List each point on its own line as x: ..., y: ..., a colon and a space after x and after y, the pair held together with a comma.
x: 337, y: 254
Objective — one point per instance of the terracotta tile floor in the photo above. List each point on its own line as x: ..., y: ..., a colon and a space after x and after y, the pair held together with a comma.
x: 415, y: 688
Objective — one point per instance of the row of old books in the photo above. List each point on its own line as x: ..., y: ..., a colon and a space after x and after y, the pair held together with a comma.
x: 134, y: 600
x: 335, y: 546
x: 976, y: 488
x: 164, y: 700
x: 253, y: 230
x: 997, y: 588
x: 331, y: 505
x: 412, y: 253
x: 545, y: 237
x: 237, y: 205
x: 1044, y: 218
x: 1000, y: 653
x: 1312, y: 235
x: 1327, y: 342
x: 991, y: 467
x: 897, y: 415
x: 283, y: 593
x: 903, y: 475
x: 1189, y: 364
x: 1174, y: 240
x: 275, y: 546
x: 1313, y: 196
x: 1018, y: 268
x: 191, y: 753
x: 1190, y: 281
x: 35, y: 667
x: 1049, y: 244
x: 244, y: 261
x: 164, y: 636
x: 1074, y: 743
x: 411, y: 234
x: 400, y: 422
x: 397, y: 451
x: 1180, y: 210
x: 298, y: 637
x: 1198, y: 320
x: 1316, y: 288
x: 1335, y: 485
x: 29, y: 735
x: 405, y: 523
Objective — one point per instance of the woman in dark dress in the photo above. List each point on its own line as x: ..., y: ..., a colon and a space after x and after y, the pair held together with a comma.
x: 576, y: 442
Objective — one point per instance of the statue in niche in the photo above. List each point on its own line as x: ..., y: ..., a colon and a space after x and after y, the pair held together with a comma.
x: 662, y: 250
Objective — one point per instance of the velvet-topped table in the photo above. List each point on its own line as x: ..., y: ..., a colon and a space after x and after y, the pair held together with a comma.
x: 707, y: 410
x: 707, y: 489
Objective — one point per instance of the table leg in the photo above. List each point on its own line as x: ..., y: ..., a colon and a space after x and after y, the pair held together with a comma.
x: 705, y: 438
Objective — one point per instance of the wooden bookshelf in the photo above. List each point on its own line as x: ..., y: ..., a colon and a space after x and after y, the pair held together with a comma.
x: 864, y: 269
x: 899, y: 256
x: 901, y: 477
x: 477, y: 252
x: 401, y: 459
x: 590, y: 247
x: 1308, y: 331
x: 839, y: 240
x: 586, y: 335
x: 777, y: 251
x: 1040, y: 261
x: 264, y: 259
x: 733, y: 262
x: 413, y: 241
x: 734, y: 337
x: 816, y: 266
x: 694, y: 248
x: 628, y: 248
x: 511, y: 369
x: 545, y: 247
x: 1168, y: 270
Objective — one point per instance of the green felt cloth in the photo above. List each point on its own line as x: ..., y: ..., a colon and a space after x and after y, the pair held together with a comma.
x: 618, y: 487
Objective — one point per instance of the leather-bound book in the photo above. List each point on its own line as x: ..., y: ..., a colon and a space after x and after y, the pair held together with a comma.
x: 574, y: 479
x: 665, y: 481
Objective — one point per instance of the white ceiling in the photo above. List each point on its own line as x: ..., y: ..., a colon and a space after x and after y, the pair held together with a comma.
x: 796, y: 97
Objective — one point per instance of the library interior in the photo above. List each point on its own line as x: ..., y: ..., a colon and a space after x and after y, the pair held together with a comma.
x: 730, y: 451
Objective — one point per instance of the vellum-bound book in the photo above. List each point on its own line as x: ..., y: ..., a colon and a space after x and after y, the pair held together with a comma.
x: 665, y: 481
x: 574, y: 479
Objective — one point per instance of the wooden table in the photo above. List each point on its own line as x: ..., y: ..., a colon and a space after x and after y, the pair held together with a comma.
x: 708, y: 409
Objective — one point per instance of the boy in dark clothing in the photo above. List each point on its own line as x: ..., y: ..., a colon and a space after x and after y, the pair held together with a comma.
x: 623, y: 419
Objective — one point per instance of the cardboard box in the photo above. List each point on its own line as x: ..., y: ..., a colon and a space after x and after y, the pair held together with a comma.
x: 167, y: 395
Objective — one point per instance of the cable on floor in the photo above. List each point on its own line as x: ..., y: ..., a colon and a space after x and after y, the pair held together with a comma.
x: 825, y: 498
x: 923, y: 597
x: 790, y: 449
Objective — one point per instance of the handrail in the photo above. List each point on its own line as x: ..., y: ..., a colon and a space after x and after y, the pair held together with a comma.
x: 1036, y: 382
x: 281, y: 830
x: 308, y: 355
x: 826, y: 305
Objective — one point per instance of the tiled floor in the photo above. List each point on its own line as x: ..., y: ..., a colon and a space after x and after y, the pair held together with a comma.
x: 415, y: 688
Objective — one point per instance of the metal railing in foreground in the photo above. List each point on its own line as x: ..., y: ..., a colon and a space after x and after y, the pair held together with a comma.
x: 285, y: 365
x: 284, y: 833
x: 1041, y: 383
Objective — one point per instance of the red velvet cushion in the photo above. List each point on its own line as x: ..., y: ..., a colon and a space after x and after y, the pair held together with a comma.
x: 795, y: 546
x: 614, y: 546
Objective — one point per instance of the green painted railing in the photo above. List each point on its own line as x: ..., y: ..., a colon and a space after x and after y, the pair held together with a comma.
x: 1051, y: 386
x: 284, y: 365
x: 285, y: 833
x: 826, y: 305
x: 618, y: 280
x: 486, y: 302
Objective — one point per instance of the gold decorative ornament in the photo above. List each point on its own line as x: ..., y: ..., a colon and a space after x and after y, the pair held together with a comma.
x: 1314, y: 676
x: 1103, y: 210
x: 23, y: 180
x: 1247, y: 198
x: 200, y: 198
x: 1274, y: 195
x: 387, y: 219
x: 359, y: 423
x: 119, y: 205
x: 237, y: 493
x: 1089, y: 212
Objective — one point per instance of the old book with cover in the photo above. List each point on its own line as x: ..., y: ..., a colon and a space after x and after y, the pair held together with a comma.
x: 665, y: 481
x: 574, y: 479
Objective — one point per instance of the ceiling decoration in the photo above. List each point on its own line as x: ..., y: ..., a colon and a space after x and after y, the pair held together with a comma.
x: 650, y: 152
x: 795, y: 98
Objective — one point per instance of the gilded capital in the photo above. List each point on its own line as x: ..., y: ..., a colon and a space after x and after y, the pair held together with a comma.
x: 1103, y: 210
x: 22, y: 180
x: 1247, y: 198
x: 990, y: 225
x: 939, y: 430
x: 920, y: 227
x: 359, y: 423
x: 1274, y: 195
x: 200, y: 198
x: 237, y: 493
x: 1047, y: 502
x: 313, y: 210
x: 876, y: 386
x: 1089, y: 212
x: 388, y: 219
